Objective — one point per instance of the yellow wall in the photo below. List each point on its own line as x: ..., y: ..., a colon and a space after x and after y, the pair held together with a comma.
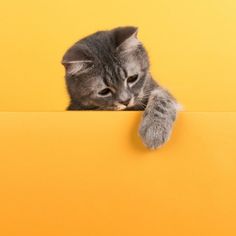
x: 60, y: 177
x: 87, y: 173
x: 191, y: 44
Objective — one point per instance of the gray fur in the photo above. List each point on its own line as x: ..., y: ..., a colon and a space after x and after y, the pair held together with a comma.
x: 109, y: 70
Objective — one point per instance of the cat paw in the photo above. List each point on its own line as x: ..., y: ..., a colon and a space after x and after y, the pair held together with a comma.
x: 155, y: 133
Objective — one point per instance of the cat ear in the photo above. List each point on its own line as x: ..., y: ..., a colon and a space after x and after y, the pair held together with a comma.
x: 76, y: 67
x: 126, y: 38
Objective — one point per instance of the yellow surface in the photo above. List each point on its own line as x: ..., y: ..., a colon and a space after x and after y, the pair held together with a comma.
x: 87, y: 173
x: 191, y: 44
x: 76, y: 173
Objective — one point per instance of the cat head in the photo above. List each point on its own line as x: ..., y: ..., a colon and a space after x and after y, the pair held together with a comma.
x: 107, y: 70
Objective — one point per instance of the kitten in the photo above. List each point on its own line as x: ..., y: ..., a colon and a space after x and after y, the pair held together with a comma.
x: 109, y: 70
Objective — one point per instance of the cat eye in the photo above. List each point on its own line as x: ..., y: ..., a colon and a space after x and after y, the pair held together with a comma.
x: 132, y: 79
x: 105, y: 92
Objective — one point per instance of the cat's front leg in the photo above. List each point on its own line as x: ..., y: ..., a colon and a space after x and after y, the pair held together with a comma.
x: 158, y: 118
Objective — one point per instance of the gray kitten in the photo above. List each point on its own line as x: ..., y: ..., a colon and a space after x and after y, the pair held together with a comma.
x: 109, y: 70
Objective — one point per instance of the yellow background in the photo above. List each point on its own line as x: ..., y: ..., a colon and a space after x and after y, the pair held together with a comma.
x: 191, y: 45
x: 87, y: 173
x: 61, y: 177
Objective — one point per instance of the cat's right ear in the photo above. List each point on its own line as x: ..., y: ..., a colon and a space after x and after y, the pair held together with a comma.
x: 77, y: 67
x: 126, y: 38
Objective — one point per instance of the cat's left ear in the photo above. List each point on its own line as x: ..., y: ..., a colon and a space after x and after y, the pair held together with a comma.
x: 76, y: 67
x: 126, y: 38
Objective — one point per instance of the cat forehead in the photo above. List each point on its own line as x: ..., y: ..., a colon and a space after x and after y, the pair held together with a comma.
x: 115, y: 72
x: 104, y: 45
x: 90, y: 54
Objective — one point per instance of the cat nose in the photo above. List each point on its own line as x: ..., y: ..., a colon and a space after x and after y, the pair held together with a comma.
x: 125, y: 102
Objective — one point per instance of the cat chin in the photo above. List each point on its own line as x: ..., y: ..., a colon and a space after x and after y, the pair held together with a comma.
x: 120, y: 107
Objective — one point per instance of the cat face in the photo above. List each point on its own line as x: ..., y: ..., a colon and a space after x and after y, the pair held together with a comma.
x: 107, y: 70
